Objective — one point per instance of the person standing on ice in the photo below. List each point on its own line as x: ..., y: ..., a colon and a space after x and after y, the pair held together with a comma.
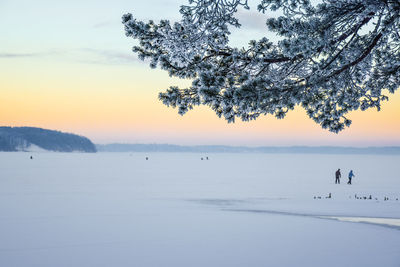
x: 338, y: 175
x: 351, y: 175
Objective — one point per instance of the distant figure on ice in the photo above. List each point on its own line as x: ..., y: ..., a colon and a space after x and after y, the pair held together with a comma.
x: 31, y: 157
x: 351, y: 175
x: 338, y: 175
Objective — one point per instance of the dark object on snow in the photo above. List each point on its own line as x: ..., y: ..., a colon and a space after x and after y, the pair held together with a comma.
x: 370, y: 197
x: 31, y: 157
x: 206, y: 158
x: 329, y: 196
x: 338, y: 175
x: 201, y: 158
x: 351, y: 175
x: 147, y: 158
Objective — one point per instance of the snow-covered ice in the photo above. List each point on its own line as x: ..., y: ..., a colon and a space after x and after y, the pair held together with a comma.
x: 119, y: 209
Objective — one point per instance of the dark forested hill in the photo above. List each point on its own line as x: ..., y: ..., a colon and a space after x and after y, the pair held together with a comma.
x: 22, y: 138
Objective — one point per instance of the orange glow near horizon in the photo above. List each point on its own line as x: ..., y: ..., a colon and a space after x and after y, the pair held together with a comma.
x: 113, y: 104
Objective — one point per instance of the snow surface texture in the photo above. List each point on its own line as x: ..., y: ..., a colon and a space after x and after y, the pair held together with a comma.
x: 119, y: 209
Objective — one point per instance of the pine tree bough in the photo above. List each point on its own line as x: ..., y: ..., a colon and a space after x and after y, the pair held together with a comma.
x: 333, y: 57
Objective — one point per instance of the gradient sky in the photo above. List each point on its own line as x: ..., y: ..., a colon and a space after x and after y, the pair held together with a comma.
x: 67, y: 65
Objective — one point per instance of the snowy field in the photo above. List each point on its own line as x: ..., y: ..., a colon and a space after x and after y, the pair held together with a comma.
x: 250, y: 210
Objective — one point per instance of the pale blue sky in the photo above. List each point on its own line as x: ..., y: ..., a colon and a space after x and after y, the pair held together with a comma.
x: 66, y: 28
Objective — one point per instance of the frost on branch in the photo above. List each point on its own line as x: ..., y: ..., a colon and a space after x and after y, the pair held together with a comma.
x: 332, y: 58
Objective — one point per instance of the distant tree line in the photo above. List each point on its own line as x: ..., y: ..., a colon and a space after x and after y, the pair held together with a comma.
x: 243, y: 149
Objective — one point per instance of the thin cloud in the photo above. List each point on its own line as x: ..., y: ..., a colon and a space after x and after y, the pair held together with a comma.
x: 104, y: 24
x: 83, y: 55
x: 19, y: 55
x: 109, y: 57
x: 30, y: 55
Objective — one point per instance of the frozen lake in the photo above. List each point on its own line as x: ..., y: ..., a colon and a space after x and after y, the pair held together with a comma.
x: 119, y: 209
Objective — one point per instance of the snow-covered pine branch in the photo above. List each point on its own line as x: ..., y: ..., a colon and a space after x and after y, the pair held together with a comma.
x: 333, y: 57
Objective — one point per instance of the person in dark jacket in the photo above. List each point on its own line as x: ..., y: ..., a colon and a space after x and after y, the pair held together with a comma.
x: 338, y: 175
x: 351, y: 175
